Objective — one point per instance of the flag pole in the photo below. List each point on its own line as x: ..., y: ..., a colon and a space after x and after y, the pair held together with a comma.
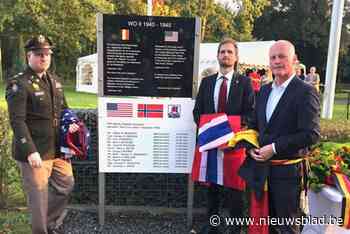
x: 149, y: 7
x: 332, y: 59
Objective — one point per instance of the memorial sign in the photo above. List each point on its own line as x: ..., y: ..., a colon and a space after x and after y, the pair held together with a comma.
x: 146, y: 135
x: 148, y: 56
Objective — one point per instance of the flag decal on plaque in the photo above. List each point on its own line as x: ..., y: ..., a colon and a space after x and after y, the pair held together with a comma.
x: 125, y: 34
x: 171, y: 36
x: 150, y: 110
x: 119, y: 109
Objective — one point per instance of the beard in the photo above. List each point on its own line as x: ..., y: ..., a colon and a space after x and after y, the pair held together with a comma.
x: 226, y: 65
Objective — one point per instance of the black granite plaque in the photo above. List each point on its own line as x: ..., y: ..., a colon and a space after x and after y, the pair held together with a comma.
x: 148, y: 56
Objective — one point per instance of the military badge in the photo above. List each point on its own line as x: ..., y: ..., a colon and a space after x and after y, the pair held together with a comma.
x: 23, y: 140
x: 41, y: 93
x: 41, y: 39
x: 58, y: 85
x: 14, y: 88
x: 36, y: 87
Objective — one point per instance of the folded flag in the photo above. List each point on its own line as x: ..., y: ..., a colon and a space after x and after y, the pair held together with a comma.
x: 214, y: 133
x: 249, y: 136
x: 77, y: 143
x: 217, y: 166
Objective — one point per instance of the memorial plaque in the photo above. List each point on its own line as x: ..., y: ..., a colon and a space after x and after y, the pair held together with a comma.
x: 146, y: 135
x: 148, y: 56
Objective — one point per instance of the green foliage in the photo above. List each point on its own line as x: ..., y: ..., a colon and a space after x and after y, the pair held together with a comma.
x: 326, y: 159
x: 14, y: 222
x: 217, y: 21
x: 130, y: 7
x: 78, y: 100
x: 10, y: 182
x: 307, y: 25
x: 70, y: 25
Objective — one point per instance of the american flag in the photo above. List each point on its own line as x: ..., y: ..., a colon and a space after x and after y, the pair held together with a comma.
x: 171, y: 36
x: 119, y: 110
x: 150, y: 110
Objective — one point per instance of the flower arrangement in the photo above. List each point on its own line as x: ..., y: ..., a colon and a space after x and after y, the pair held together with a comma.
x: 326, y: 159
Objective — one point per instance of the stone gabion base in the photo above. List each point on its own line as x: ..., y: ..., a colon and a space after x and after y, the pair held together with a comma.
x: 128, y: 189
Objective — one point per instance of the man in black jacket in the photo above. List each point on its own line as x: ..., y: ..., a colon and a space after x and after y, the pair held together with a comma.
x: 287, y: 119
x: 239, y: 101
x: 35, y: 100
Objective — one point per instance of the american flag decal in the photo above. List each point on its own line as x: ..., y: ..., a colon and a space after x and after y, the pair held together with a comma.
x: 119, y: 110
x: 171, y: 36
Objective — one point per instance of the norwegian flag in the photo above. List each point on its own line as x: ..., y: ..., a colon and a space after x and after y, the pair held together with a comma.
x: 150, y: 110
x: 214, y: 133
x: 217, y: 166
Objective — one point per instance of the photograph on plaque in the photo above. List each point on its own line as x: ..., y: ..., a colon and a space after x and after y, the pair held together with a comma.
x: 148, y: 56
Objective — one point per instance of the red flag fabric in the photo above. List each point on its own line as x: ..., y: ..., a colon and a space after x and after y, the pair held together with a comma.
x: 259, y: 211
x: 217, y: 166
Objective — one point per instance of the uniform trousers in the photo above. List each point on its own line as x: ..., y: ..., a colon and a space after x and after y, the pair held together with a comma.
x: 47, y: 189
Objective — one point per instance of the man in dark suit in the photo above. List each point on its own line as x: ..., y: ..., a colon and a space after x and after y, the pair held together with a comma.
x: 287, y: 119
x: 35, y: 101
x: 239, y: 101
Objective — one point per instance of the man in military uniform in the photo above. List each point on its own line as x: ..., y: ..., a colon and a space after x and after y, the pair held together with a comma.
x: 35, y: 100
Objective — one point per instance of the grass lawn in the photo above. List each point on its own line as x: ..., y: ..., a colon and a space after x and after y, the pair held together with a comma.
x: 16, y: 222
x: 75, y: 99
x: 339, y: 112
x: 80, y: 100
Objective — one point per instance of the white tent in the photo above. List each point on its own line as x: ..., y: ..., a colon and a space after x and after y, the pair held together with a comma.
x: 254, y: 53
x: 86, y: 70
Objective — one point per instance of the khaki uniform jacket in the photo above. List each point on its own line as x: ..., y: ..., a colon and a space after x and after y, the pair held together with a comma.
x: 35, y: 114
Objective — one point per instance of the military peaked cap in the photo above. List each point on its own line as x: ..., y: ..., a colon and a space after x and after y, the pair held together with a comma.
x: 38, y: 42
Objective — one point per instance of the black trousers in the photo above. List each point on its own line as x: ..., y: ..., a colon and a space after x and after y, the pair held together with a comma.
x: 231, y: 199
x: 284, y: 197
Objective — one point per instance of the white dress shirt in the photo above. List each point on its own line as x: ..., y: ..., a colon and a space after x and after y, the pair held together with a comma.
x: 274, y: 98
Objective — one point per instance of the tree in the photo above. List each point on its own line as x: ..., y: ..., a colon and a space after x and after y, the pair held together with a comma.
x: 70, y: 25
x: 306, y: 24
x: 130, y: 7
x: 217, y: 21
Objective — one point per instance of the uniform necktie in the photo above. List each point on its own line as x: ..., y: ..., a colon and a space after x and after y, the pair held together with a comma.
x: 46, y: 81
x: 222, y: 96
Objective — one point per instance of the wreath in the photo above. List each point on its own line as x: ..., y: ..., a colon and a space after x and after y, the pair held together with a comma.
x: 326, y: 159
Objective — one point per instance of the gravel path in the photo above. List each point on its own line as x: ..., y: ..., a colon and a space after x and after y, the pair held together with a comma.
x: 85, y: 222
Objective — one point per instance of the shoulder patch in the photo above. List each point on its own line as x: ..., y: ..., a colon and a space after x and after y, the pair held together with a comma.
x: 12, y: 87
x: 18, y: 74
